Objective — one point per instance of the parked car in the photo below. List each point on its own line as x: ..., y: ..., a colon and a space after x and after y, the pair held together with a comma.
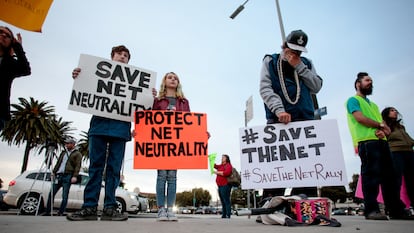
x: 200, y: 210
x: 3, y: 205
x: 184, y: 210
x: 31, y: 189
x: 143, y: 203
x: 211, y: 210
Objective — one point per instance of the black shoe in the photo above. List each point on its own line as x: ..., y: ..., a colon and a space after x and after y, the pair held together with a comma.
x: 110, y: 214
x: 376, y: 216
x: 402, y: 217
x: 84, y: 214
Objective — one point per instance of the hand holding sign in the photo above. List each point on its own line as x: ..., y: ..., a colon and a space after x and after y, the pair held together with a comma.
x: 170, y: 140
x: 111, y: 89
x: 211, y: 161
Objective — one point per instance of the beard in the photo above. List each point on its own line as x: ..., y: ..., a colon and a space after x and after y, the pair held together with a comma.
x: 366, y: 90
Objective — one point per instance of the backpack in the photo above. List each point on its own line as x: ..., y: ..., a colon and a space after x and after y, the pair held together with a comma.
x: 234, y: 178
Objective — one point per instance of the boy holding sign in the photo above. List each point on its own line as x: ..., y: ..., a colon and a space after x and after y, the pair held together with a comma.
x: 105, y: 136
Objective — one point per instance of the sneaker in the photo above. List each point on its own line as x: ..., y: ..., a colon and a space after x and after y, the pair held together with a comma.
x: 171, y: 216
x: 405, y: 215
x: 376, y: 216
x: 110, y: 214
x: 162, y: 215
x: 83, y: 214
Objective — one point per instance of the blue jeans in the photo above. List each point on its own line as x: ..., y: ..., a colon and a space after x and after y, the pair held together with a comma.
x: 224, y: 194
x: 63, y: 180
x: 404, y: 166
x: 377, y: 169
x: 98, y: 146
x: 169, y: 178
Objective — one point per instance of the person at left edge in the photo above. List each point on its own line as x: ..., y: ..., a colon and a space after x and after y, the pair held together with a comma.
x: 65, y: 173
x: 106, y: 137
x: 13, y: 64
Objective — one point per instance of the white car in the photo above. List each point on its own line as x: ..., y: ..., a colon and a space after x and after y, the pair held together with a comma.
x: 143, y: 203
x: 31, y: 189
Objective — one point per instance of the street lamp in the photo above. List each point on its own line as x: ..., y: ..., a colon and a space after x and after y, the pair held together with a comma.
x: 279, y: 14
x: 238, y: 10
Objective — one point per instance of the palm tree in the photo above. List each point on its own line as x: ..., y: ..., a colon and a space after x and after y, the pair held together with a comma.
x: 35, y: 124
x: 83, y: 145
x: 51, y: 146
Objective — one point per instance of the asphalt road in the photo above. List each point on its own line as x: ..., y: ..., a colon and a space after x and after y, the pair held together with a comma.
x: 10, y: 222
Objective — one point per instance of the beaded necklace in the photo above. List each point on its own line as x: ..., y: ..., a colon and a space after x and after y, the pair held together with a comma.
x: 283, y: 85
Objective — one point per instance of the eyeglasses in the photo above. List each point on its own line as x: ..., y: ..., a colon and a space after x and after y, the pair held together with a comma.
x: 5, y: 34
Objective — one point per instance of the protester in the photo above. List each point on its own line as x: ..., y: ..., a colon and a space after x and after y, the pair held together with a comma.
x: 64, y: 174
x: 13, y: 64
x: 224, y: 189
x: 287, y: 82
x: 107, y: 139
x: 401, y: 145
x: 170, y: 97
x: 369, y: 132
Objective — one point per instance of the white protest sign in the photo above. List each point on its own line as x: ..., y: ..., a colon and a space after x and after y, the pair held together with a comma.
x: 299, y: 154
x: 111, y: 89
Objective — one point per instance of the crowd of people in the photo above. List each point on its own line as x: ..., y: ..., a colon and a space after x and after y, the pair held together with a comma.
x: 288, y: 83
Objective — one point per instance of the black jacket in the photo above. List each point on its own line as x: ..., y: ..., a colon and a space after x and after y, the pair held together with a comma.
x: 10, y: 68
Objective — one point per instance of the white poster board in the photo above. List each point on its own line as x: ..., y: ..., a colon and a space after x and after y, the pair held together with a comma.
x: 299, y: 154
x: 111, y: 89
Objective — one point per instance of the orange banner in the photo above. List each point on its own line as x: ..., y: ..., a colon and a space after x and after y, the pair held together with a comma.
x: 170, y: 140
x: 25, y: 14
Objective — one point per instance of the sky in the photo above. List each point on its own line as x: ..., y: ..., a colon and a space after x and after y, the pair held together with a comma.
x: 218, y: 60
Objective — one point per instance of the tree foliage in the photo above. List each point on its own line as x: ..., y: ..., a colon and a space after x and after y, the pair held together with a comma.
x: 335, y: 193
x: 83, y: 145
x: 353, y: 187
x: 35, y: 124
x: 196, y: 197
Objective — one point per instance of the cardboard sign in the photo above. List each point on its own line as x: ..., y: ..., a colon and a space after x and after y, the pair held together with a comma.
x: 170, y: 140
x: 111, y: 89
x: 299, y: 154
x: 28, y: 14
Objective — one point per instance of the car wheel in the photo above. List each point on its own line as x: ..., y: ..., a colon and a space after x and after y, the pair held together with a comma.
x: 28, y: 205
x: 121, y: 206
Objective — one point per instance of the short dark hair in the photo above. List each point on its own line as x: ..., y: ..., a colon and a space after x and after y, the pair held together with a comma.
x: 360, y: 76
x: 118, y: 49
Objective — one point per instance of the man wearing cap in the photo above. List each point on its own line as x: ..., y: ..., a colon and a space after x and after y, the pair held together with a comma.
x: 64, y: 174
x: 287, y: 82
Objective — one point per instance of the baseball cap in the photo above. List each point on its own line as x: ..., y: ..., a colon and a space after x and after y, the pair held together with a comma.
x: 70, y: 140
x: 297, y: 40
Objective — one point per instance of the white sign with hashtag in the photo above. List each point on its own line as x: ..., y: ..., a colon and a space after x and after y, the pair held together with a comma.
x: 299, y: 154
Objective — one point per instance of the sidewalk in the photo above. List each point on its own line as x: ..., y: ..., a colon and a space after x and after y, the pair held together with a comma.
x: 146, y: 223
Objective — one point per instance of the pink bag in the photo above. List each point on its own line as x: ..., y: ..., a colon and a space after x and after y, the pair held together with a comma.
x: 403, y: 193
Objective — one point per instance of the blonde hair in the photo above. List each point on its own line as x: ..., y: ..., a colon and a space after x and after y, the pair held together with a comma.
x: 163, y: 90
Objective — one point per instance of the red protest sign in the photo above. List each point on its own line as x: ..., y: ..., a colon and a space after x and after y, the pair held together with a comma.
x: 170, y: 140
